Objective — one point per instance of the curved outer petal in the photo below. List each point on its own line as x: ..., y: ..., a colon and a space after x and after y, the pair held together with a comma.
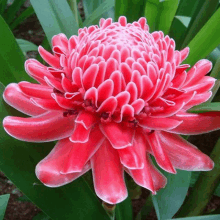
x: 80, y: 153
x: 184, y: 155
x: 119, y: 135
x: 48, y: 169
x: 80, y: 134
x: 108, y: 174
x: 15, y: 98
x: 159, y: 153
x: 148, y: 177
x: 159, y: 123
x: 197, y: 123
x: 49, y: 126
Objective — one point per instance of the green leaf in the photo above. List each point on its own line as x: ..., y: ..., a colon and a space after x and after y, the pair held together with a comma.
x: 55, y: 17
x: 3, y: 5
x: 26, y: 45
x: 186, y: 8
x: 206, y: 217
x: 41, y: 216
x: 146, y: 209
x: 12, y: 10
x: 206, y: 40
x: 18, y: 160
x: 160, y: 14
x: 124, y: 210
x: 11, y: 57
x: 97, y: 13
x: 166, y: 13
x: 167, y: 201
x: 24, y: 15
x: 132, y: 9
x: 151, y: 11
x: 214, y: 56
x: 206, y: 107
x: 177, y: 35
x: 3, y: 204
x: 200, y: 17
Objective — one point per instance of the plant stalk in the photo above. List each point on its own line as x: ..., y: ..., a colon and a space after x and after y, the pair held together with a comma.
x: 203, y: 188
x: 110, y: 209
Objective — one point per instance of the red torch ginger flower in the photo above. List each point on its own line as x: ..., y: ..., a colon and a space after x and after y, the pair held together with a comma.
x: 112, y: 96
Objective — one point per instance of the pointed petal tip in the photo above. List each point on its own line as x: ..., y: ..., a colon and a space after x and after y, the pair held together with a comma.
x: 114, y: 198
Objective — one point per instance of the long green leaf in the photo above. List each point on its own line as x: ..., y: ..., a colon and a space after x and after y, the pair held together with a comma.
x: 132, y: 9
x: 166, y: 13
x: 151, y: 10
x: 97, y: 13
x: 187, y: 7
x: 124, y: 210
x: 3, y: 5
x: 3, y: 204
x: 206, y: 40
x: 55, y: 17
x: 206, y: 217
x: 160, y: 14
x: 168, y: 200
x: 26, y: 45
x: 11, y: 57
x: 206, y: 107
x: 12, y: 10
x: 178, y: 24
x: 24, y: 15
x: 18, y: 160
x: 199, y: 18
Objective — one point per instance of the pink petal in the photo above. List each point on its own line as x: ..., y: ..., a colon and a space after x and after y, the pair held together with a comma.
x: 91, y: 95
x: 87, y: 119
x: 197, y: 123
x: 108, y: 175
x: 119, y: 135
x: 48, y: 170
x: 184, y: 155
x: 47, y: 104
x: 89, y: 76
x: 131, y: 156
x: 108, y: 106
x: 49, y: 126
x: 105, y: 90
x: 123, y: 98
x: 184, y: 53
x: 159, y: 153
x: 36, y: 90
x: 143, y: 177
x: 80, y: 153
x: 49, y: 58
x: 15, y: 98
x: 159, y: 123
x: 80, y: 134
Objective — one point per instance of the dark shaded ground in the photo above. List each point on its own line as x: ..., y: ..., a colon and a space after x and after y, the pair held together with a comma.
x: 23, y: 210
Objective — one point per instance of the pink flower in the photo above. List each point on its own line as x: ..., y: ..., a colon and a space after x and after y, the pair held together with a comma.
x: 112, y: 96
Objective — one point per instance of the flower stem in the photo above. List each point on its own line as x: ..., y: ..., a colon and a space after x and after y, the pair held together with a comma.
x: 110, y: 209
x: 203, y: 188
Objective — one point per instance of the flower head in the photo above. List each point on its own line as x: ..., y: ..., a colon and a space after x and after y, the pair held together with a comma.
x: 112, y: 96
